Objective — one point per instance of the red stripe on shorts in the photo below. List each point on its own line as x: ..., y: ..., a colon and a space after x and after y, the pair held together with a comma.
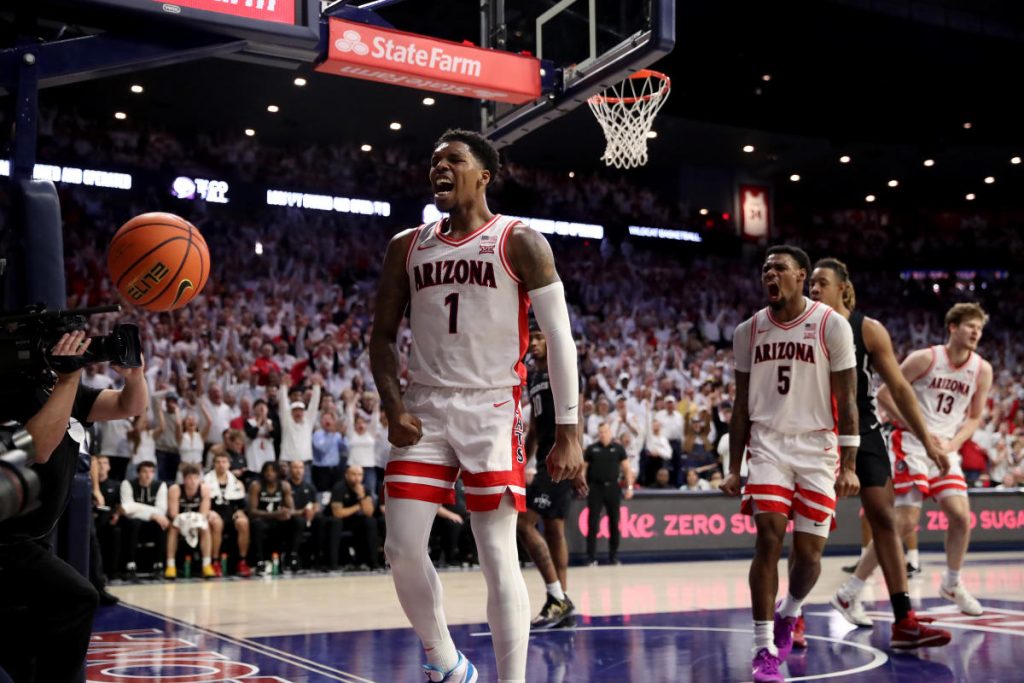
x: 748, y: 506
x: 768, y: 490
x: 421, y: 469
x: 816, y: 497
x: 807, y: 511
x: 428, y: 494
x: 491, y: 501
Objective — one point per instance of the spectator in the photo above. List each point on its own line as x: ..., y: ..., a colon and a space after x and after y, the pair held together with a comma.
x: 362, y: 447
x: 354, y: 507
x: 144, y: 501
x: 661, y: 479
x: 115, y: 446
x: 217, y: 413
x: 659, y: 452
x: 227, y: 504
x: 190, y: 439
x: 330, y: 453
x: 694, y: 482
x: 306, y: 518
x: 297, y: 423
x: 165, y: 405
x: 270, y: 509
x: 259, y: 437
x: 188, y: 507
x: 141, y: 436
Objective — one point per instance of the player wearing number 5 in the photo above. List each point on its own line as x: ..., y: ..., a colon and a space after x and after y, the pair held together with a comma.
x: 468, y: 281
x: 791, y: 358
x: 951, y: 383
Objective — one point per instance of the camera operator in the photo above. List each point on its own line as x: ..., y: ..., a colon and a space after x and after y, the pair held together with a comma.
x: 46, y: 607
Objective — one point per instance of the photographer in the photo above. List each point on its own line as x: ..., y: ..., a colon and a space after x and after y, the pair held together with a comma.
x: 46, y: 607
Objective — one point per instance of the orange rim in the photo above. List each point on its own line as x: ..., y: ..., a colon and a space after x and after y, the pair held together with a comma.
x: 666, y: 84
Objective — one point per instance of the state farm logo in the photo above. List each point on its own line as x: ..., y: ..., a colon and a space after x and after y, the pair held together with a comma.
x: 434, y: 58
x: 351, y: 41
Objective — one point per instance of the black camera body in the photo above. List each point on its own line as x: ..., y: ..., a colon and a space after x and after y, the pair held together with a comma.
x: 26, y: 339
x: 19, y: 484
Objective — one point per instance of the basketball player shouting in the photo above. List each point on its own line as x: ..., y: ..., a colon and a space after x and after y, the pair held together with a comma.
x: 791, y: 358
x: 546, y: 499
x: 468, y: 281
x: 831, y: 285
x: 951, y: 383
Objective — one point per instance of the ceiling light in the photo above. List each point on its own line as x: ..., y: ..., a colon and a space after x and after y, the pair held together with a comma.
x: 989, y: 180
x: 969, y: 197
x: 273, y: 108
x: 893, y: 183
x: 703, y: 212
x: 572, y: 174
x: 844, y: 159
x: 395, y: 125
x: 366, y: 148
x: 870, y: 198
x: 137, y: 89
x: 250, y: 132
x: 795, y: 177
x: 1015, y: 160
x: 652, y: 134
x: 120, y: 115
x: 429, y: 101
x: 929, y: 162
x: 748, y: 148
x: 766, y: 77
x: 968, y: 125
x: 300, y: 81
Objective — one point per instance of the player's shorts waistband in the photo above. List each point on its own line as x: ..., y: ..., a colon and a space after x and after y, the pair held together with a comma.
x: 417, y: 386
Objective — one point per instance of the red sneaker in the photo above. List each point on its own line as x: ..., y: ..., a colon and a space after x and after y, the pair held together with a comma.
x: 217, y: 571
x: 243, y: 569
x: 913, y: 632
x: 799, y: 640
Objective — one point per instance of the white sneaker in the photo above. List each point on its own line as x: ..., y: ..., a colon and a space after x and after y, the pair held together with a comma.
x: 964, y: 600
x: 852, y: 610
x: 462, y: 672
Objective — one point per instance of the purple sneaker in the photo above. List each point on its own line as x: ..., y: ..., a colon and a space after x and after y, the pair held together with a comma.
x: 784, y: 634
x: 766, y: 667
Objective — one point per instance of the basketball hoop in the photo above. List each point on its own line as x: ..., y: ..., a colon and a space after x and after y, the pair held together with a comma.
x: 626, y: 112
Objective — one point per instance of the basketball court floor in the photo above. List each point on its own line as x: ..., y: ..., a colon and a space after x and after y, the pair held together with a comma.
x: 638, y: 622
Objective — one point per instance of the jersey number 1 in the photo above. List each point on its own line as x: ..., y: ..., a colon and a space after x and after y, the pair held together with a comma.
x: 452, y: 301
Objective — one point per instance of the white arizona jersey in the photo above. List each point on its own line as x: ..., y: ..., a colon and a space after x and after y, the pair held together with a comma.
x: 468, y: 311
x: 944, y: 393
x: 791, y: 364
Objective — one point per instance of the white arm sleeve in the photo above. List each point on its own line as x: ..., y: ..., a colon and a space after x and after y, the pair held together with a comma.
x: 553, y: 317
x: 839, y: 339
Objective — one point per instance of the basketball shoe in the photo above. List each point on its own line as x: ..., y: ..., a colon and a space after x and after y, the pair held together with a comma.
x: 554, y: 613
x: 852, y: 610
x: 462, y: 672
x: 912, y: 631
x: 766, y: 667
x: 784, y: 633
x: 964, y: 600
x: 799, y: 639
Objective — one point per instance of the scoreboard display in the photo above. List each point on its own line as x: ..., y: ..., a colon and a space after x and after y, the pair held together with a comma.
x: 272, y: 26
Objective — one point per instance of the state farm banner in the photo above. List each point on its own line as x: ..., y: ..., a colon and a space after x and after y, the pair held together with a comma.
x: 676, y: 522
x: 755, y: 211
x: 416, y: 61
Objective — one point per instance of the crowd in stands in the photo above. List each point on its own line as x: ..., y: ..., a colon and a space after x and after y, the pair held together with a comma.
x: 264, y: 420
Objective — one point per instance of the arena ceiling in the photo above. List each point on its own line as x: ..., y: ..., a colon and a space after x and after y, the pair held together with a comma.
x: 887, y: 82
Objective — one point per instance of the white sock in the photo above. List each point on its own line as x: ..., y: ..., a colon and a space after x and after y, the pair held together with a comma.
x: 852, y: 587
x: 790, y: 607
x: 914, y: 557
x: 171, y: 563
x: 508, y: 601
x: 764, y: 637
x: 206, y: 560
x: 950, y: 578
x: 416, y: 581
x: 555, y: 590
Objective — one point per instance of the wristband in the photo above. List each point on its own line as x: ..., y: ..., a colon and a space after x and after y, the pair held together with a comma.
x: 849, y: 440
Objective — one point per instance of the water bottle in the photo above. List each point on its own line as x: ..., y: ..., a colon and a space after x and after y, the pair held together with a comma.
x: 224, y: 564
x: 275, y: 565
x: 188, y: 567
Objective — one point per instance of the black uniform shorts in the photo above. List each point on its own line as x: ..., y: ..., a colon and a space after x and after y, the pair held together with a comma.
x: 873, y: 466
x: 548, y: 498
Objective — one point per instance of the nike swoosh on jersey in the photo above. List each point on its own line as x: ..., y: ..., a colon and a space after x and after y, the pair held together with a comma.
x: 498, y: 405
x: 421, y: 247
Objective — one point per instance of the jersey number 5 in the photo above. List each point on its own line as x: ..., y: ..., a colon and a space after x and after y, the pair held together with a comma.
x: 784, y: 371
x: 452, y: 301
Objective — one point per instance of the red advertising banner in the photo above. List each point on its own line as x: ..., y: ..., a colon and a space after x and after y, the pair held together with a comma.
x: 755, y: 211
x: 415, y: 61
x: 280, y: 11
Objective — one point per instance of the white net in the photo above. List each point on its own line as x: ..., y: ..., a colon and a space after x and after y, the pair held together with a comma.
x: 626, y: 111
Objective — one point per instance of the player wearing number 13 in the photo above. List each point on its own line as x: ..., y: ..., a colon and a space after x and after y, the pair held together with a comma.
x: 791, y: 358
x: 468, y: 281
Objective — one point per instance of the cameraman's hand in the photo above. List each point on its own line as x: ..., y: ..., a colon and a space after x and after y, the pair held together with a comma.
x: 71, y: 344
x: 130, y: 374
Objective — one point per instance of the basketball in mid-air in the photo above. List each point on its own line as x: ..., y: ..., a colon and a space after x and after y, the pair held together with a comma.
x: 158, y: 261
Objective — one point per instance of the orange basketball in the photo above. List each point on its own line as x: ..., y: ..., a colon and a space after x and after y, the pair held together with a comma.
x: 159, y: 261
